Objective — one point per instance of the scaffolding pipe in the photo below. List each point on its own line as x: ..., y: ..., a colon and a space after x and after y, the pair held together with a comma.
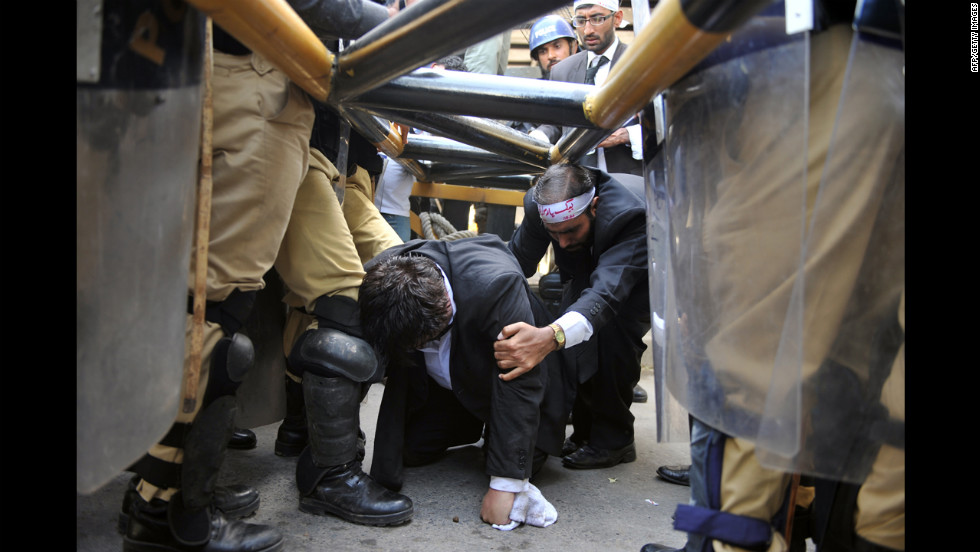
x: 423, y: 33
x: 678, y: 35
x: 480, y: 133
x: 444, y: 172
x: 440, y: 149
x: 488, y: 96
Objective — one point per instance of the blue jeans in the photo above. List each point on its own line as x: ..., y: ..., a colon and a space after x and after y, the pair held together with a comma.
x: 400, y: 224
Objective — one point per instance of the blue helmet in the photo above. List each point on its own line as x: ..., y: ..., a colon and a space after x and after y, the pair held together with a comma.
x: 549, y: 28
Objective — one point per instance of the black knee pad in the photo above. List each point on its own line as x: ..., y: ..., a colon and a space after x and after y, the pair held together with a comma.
x: 331, y: 353
x: 231, y: 359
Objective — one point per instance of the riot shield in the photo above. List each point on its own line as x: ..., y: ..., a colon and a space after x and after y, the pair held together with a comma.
x: 672, y: 417
x: 784, y: 210
x: 731, y: 199
x: 262, y: 395
x: 854, y: 266
x: 138, y: 123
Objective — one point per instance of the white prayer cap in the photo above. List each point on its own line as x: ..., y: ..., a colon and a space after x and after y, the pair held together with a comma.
x: 611, y: 5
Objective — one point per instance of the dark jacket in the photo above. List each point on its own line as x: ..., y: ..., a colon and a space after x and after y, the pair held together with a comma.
x: 619, y: 159
x: 608, y: 280
x: 490, y: 292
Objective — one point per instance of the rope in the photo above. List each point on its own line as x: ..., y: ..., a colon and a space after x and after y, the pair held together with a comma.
x: 436, y: 227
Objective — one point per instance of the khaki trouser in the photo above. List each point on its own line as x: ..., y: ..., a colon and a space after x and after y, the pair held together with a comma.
x: 326, y: 245
x: 881, y: 500
x: 262, y: 126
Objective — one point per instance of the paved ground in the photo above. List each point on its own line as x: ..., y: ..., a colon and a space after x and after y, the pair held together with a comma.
x: 615, y: 509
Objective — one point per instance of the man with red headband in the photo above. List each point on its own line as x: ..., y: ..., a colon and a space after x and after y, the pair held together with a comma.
x: 597, y: 227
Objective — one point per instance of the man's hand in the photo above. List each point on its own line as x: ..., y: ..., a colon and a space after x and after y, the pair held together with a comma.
x: 497, y: 506
x: 621, y: 136
x: 522, y: 346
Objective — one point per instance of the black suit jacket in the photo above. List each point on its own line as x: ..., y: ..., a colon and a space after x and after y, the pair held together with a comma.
x: 619, y: 159
x: 490, y: 292
x: 610, y: 279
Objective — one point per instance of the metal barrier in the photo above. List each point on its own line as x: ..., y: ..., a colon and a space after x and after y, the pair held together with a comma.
x: 376, y: 81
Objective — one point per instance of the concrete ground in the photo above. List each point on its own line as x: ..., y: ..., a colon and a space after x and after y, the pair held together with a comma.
x: 615, y: 509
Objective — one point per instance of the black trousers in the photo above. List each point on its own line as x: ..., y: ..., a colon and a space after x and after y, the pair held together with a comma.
x: 442, y: 422
x: 601, y: 411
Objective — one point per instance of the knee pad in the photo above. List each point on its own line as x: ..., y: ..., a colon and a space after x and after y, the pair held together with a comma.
x: 331, y: 353
x: 231, y: 359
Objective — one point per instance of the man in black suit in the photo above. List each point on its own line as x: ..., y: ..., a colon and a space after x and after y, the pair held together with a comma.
x: 596, y: 22
x: 597, y: 227
x: 433, y: 309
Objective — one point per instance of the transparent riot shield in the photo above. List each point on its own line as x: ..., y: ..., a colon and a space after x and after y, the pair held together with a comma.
x: 784, y: 195
x: 854, y: 271
x: 727, y: 221
x: 138, y: 124
x: 672, y: 417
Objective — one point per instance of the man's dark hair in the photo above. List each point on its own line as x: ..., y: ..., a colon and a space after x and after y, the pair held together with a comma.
x: 453, y: 63
x: 561, y: 182
x: 403, y: 304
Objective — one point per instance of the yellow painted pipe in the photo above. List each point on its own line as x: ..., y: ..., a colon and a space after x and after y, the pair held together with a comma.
x: 667, y: 48
x: 471, y: 194
x: 273, y: 29
x: 555, y: 156
x: 392, y: 144
x: 415, y: 223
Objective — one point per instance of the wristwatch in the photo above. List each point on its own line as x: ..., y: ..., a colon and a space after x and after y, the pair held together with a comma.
x: 559, y: 335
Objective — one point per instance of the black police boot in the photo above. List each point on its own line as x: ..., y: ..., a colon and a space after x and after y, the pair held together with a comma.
x: 292, y: 436
x: 233, y: 501
x: 158, y: 526
x: 329, y: 476
x: 242, y: 439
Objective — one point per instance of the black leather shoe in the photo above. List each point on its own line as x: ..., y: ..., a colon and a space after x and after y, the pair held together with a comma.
x: 639, y: 394
x: 588, y: 458
x: 680, y: 475
x: 150, y: 530
x: 569, y: 446
x: 659, y: 548
x: 349, y: 493
x: 242, y: 439
x: 234, y: 501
